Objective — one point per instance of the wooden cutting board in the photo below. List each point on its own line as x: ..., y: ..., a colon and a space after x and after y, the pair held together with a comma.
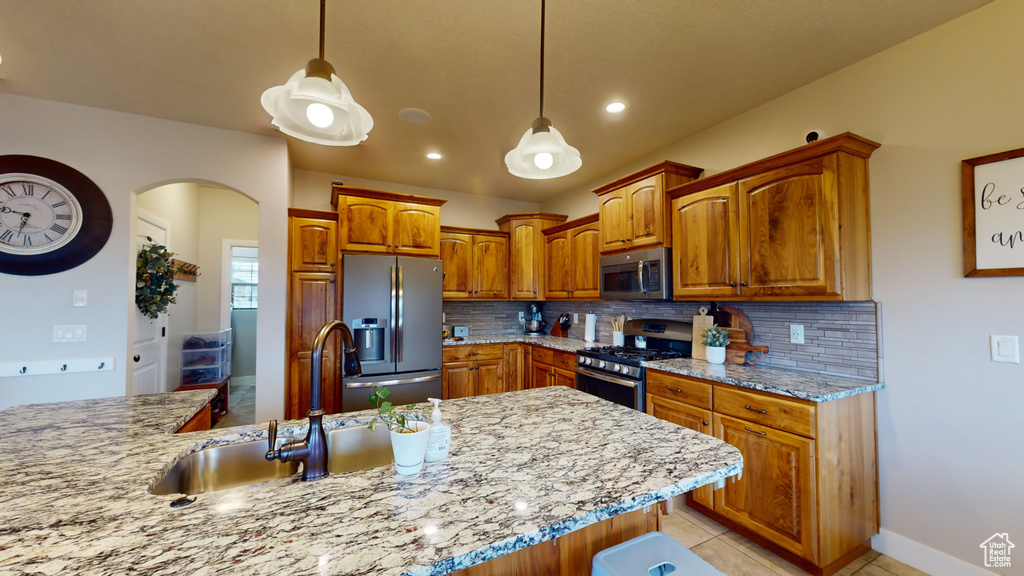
x: 699, y: 324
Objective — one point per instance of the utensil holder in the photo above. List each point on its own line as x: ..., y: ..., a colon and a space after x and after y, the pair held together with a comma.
x: 618, y: 338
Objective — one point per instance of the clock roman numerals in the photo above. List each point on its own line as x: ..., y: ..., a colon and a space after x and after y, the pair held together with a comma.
x: 28, y: 189
x: 10, y: 191
x: 58, y: 229
x: 7, y: 236
x: 26, y: 240
x: 63, y: 216
x: 59, y: 204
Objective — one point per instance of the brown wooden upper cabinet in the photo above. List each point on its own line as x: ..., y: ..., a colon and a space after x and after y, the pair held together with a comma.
x: 475, y: 264
x: 314, y: 240
x: 572, y: 260
x: 371, y: 221
x: 793, y: 226
x: 526, y: 252
x: 634, y: 210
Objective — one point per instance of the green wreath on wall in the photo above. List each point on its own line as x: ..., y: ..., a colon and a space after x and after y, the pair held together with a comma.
x: 154, y: 279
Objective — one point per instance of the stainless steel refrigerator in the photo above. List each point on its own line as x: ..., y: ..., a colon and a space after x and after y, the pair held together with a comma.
x: 393, y: 306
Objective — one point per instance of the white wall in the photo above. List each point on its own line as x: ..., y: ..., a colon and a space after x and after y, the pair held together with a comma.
x: 125, y: 154
x: 223, y: 214
x: 312, y: 190
x: 951, y: 434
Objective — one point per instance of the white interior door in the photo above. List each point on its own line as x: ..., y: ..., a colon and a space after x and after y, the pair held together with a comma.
x: 149, y: 371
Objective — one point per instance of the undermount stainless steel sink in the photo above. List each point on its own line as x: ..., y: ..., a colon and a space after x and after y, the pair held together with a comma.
x: 222, y: 467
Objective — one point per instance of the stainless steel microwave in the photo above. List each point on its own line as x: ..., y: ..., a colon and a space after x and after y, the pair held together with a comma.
x: 640, y: 275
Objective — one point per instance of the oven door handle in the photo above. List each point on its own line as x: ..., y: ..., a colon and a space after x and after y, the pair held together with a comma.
x: 605, y: 377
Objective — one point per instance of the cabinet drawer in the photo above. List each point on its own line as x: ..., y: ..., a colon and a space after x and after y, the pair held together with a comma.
x: 679, y: 388
x: 555, y: 358
x: 467, y: 353
x: 772, y: 411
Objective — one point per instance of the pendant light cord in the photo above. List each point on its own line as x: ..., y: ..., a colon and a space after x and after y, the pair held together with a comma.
x: 542, y: 57
x: 323, y: 10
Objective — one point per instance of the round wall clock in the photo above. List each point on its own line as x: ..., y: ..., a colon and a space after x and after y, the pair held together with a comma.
x: 52, y: 217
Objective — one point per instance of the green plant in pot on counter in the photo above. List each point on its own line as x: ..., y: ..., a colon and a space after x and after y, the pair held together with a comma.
x: 386, y: 413
x: 715, y: 339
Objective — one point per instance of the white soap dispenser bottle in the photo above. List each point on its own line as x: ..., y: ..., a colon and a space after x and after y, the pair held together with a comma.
x: 439, y: 437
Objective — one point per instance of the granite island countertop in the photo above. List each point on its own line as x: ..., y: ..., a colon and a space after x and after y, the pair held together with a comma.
x: 805, y: 385
x: 525, y: 467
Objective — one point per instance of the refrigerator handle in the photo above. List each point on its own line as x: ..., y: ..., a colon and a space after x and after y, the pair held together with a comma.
x: 394, y: 312
x: 401, y: 313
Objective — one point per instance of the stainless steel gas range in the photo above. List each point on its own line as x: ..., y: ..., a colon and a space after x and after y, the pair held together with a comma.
x: 615, y: 373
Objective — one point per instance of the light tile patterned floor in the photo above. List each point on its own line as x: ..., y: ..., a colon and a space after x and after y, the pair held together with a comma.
x: 734, y: 555
x: 241, y: 406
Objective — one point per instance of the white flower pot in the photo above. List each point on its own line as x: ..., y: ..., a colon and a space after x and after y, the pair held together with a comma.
x: 410, y: 447
x: 715, y: 354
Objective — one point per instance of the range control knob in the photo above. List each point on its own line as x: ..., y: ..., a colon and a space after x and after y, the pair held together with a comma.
x: 590, y: 361
x: 602, y: 364
x: 580, y: 360
x: 616, y: 368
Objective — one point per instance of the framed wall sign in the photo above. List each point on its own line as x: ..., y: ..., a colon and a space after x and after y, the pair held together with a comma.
x: 992, y: 197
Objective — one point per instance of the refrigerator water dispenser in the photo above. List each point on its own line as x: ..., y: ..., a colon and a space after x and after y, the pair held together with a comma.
x: 369, y: 335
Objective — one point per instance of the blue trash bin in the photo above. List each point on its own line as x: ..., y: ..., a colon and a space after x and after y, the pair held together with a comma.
x: 653, y: 554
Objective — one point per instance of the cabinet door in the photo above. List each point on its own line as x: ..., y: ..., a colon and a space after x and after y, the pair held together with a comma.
x: 776, y: 496
x: 645, y: 202
x: 564, y: 377
x: 416, y: 229
x: 314, y: 245
x: 585, y: 261
x: 490, y: 378
x: 515, y: 367
x: 457, y: 258
x: 541, y: 375
x: 524, y: 255
x: 705, y: 244
x: 312, y: 304
x: 490, y: 267
x: 556, y: 266
x: 614, y: 217
x: 457, y: 380
x: 686, y: 416
x: 364, y: 224
x: 790, y: 231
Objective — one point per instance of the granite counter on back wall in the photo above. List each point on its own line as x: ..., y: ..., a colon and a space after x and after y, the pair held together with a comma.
x: 806, y: 385
x: 74, y: 497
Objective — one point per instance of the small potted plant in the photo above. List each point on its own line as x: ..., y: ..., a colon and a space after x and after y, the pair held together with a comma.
x: 408, y: 435
x: 715, y: 339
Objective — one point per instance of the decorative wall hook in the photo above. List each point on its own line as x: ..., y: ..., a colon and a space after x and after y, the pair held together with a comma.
x: 185, y: 270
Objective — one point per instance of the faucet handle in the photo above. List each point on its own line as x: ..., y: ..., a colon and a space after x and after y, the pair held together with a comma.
x: 272, y: 440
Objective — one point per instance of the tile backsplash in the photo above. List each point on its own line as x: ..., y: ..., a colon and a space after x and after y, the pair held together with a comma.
x: 840, y: 338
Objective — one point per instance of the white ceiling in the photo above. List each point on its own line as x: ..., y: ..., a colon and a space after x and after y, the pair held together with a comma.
x: 682, y: 66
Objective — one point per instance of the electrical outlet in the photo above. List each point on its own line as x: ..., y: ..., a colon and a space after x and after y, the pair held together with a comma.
x: 575, y: 317
x: 796, y: 333
x: 522, y: 316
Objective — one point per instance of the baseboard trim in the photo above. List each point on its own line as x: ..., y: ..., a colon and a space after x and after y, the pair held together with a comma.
x: 924, y: 558
x: 243, y: 380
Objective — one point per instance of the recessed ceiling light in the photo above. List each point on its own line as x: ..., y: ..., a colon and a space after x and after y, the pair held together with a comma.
x: 414, y: 115
x: 434, y: 156
x: 615, y: 107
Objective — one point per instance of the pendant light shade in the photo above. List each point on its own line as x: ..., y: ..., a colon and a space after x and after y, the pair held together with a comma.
x: 315, y: 105
x: 542, y: 151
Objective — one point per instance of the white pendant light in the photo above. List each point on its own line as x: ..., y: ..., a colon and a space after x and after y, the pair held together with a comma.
x: 316, y: 106
x: 542, y: 151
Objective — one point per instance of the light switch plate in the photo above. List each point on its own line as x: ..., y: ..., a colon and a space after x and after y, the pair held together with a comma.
x: 1005, y: 349
x: 70, y: 333
x: 80, y: 298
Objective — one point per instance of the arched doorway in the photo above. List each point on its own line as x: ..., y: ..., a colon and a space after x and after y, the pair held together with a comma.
x: 206, y: 225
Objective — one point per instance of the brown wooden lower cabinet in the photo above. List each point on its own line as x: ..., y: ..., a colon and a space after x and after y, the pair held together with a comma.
x: 200, y: 421
x: 572, y: 554
x: 809, y: 488
x: 470, y: 370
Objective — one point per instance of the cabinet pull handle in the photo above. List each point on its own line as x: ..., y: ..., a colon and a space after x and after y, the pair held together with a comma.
x: 473, y: 354
x: 673, y: 389
x: 749, y: 429
x: 756, y: 410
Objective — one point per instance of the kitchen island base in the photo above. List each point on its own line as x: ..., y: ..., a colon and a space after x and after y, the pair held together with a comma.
x: 573, y: 553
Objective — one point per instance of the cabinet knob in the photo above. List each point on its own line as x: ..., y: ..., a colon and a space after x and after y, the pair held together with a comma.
x: 743, y: 283
x: 332, y: 264
x: 622, y: 240
x: 629, y: 239
x: 389, y: 245
x: 136, y: 358
x: 704, y: 422
x: 733, y: 284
